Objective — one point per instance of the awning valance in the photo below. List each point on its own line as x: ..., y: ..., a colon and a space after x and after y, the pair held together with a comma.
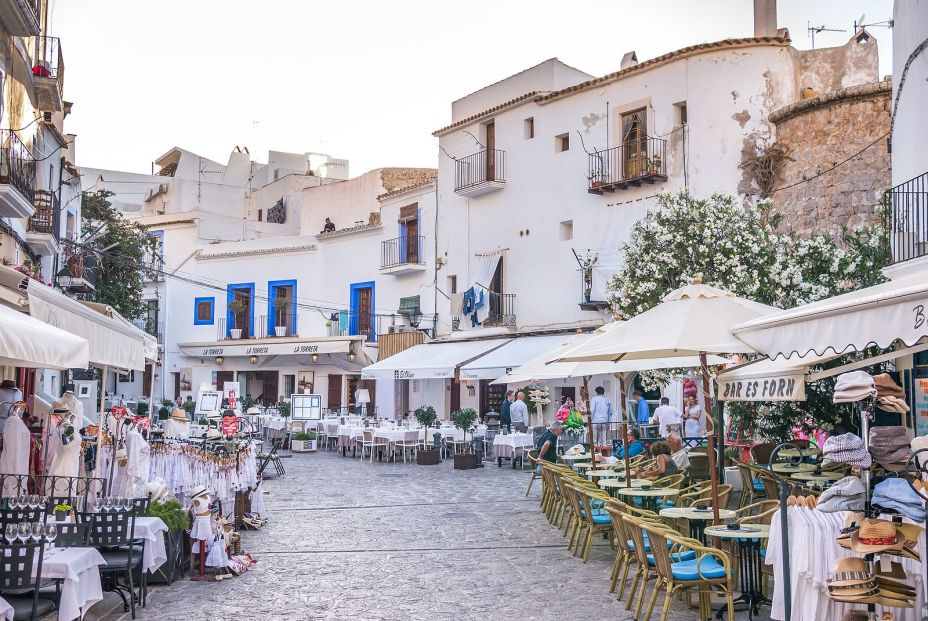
x: 430, y: 360
x: 509, y: 356
x: 270, y: 347
x: 879, y: 315
x: 767, y: 380
x: 28, y: 342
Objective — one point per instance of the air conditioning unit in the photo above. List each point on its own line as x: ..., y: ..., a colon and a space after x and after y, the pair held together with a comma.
x: 391, y: 329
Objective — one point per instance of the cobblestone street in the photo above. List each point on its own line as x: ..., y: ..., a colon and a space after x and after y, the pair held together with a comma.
x: 351, y: 540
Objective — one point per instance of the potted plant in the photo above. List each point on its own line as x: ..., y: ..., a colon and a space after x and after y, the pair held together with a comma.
x: 587, y: 292
x: 426, y: 417
x: 464, y: 420
x: 141, y: 409
x: 281, y: 305
x: 283, y: 409
x: 654, y: 165
x: 61, y: 512
x: 177, y: 519
x: 304, y: 442
x: 237, y: 307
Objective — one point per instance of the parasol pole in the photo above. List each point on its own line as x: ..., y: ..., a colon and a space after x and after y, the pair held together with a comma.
x: 628, y: 465
x: 100, y: 419
x: 589, y: 422
x: 713, y: 471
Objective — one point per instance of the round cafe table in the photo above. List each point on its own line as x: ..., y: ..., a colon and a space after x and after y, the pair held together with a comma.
x: 648, y: 496
x: 819, y: 477
x: 604, y: 473
x: 793, y: 468
x: 748, y: 539
x: 577, y: 457
x: 806, y: 452
x: 696, y: 518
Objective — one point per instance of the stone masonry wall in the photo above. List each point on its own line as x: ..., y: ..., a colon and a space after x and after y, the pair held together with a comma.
x: 821, y: 132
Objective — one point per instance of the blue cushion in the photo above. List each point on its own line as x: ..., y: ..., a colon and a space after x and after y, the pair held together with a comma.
x: 686, y: 555
x: 759, y: 486
x: 647, y: 545
x: 601, y: 519
x: 686, y: 570
x: 598, y: 504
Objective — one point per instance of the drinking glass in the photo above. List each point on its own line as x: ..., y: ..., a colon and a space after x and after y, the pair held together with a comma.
x: 108, y: 503
x: 24, y: 530
x: 23, y: 502
x: 38, y: 529
x: 10, y: 532
x: 129, y: 504
x: 34, y: 501
x: 51, y: 531
x: 12, y: 503
x: 43, y: 501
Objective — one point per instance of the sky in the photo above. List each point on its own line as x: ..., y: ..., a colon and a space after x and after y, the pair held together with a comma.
x: 366, y: 80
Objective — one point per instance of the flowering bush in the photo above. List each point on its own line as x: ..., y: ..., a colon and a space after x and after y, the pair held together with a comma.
x: 744, y: 251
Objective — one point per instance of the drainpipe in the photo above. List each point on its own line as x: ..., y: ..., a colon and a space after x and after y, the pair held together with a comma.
x: 435, y: 263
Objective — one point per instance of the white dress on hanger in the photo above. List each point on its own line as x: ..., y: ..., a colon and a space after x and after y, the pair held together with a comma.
x: 138, y: 455
x: 15, y: 456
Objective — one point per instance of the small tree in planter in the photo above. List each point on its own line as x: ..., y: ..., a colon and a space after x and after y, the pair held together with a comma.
x: 426, y: 417
x: 464, y: 420
x: 304, y: 442
x: 177, y: 519
x: 237, y: 307
x: 281, y: 305
x: 283, y: 409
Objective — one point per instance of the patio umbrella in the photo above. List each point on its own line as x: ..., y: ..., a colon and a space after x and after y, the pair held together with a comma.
x: 694, y: 320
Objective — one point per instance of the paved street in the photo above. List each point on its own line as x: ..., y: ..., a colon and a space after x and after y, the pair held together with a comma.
x: 398, y: 541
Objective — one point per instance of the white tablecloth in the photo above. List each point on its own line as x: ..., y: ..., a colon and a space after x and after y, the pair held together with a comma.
x: 80, y: 587
x: 6, y: 611
x: 506, y: 445
x: 151, y: 529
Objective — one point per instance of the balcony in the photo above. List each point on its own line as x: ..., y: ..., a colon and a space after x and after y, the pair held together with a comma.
x: 151, y: 327
x: 48, y: 74
x: 42, y: 233
x: 17, y: 177
x: 77, y: 275
x: 502, y: 314
x: 629, y: 165
x: 482, y: 172
x: 402, y: 255
x: 907, y: 220
x: 21, y: 17
x: 347, y: 323
x: 265, y: 326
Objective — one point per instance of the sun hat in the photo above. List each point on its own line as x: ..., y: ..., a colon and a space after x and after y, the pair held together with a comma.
x: 875, y: 536
x: 896, y: 495
x: 851, y: 571
x: 847, y: 494
x: 252, y: 410
x: 919, y: 443
x: 893, y: 404
x: 214, y: 415
x: 8, y: 384
x: 179, y: 414
x: 213, y: 434
x: 199, y: 490
x: 856, y: 615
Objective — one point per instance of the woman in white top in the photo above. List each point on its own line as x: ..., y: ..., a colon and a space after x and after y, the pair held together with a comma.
x: 694, y: 419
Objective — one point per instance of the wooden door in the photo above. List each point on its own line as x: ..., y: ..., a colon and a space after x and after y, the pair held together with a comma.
x: 412, y: 241
x: 365, y: 312
x: 335, y: 392
x: 491, y: 396
x: 271, y: 386
x: 229, y: 376
x: 455, y: 395
x: 146, y: 381
x: 491, y: 151
x: 634, y: 144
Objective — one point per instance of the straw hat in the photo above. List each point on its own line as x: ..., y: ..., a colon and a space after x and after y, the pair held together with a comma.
x: 213, y: 434
x: 179, y: 414
x: 876, y: 536
x: 199, y: 490
x: 851, y: 572
x: 8, y: 384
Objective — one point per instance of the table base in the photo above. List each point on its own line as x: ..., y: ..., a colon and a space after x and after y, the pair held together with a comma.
x: 750, y: 577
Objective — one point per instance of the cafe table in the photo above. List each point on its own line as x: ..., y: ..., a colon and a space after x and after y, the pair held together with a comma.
x: 151, y: 530
x: 511, y: 446
x: 748, y: 538
x: 78, y: 570
x: 697, y: 518
x: 787, y: 468
x: 605, y: 473
x: 578, y: 457
x: 806, y: 452
x: 6, y: 611
x: 817, y: 477
x: 648, y: 496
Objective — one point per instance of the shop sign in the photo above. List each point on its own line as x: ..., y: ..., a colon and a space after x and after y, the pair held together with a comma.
x: 920, y: 405
x: 784, y: 388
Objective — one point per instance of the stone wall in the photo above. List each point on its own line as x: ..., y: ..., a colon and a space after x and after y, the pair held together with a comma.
x: 820, y: 133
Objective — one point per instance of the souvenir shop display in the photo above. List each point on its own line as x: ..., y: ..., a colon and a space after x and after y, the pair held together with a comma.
x: 847, y: 494
x: 177, y: 426
x: 889, y: 446
x: 14, y: 459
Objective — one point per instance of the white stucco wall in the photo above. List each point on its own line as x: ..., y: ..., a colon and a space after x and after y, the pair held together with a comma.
x: 910, y: 28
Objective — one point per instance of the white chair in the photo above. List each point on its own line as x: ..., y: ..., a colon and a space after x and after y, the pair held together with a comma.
x: 376, y: 442
x: 457, y: 440
x: 365, y: 440
x: 409, y: 443
x: 322, y: 435
x: 331, y: 431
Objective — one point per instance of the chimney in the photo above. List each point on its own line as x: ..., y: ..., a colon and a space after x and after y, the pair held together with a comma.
x: 765, y: 18
x: 630, y: 59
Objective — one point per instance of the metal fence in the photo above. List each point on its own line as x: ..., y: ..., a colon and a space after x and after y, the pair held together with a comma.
x: 401, y: 251
x: 631, y: 163
x: 17, y: 165
x: 481, y: 167
x: 49, y: 61
x: 907, y: 220
x: 54, y: 486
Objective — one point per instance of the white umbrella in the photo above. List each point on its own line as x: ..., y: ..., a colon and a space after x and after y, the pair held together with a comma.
x: 691, y: 321
x: 28, y: 342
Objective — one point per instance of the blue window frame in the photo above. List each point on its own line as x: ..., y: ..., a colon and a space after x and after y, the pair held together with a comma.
x: 202, y: 304
x: 273, y: 289
x: 250, y: 313
x: 357, y: 324
x: 404, y: 238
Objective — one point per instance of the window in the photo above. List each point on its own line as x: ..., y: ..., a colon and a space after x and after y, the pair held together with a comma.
x: 634, y: 144
x: 679, y: 113
x: 452, y: 284
x: 529, y: 127
x: 203, y: 311
x: 69, y: 227
x: 361, y: 321
x: 281, y: 308
x: 562, y: 143
x: 260, y: 214
x: 408, y: 250
x: 289, y: 385
x: 567, y: 230
x: 243, y: 294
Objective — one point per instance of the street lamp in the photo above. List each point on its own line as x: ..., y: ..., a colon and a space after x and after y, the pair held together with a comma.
x: 219, y: 360
x: 254, y: 359
x: 351, y: 356
x: 315, y: 357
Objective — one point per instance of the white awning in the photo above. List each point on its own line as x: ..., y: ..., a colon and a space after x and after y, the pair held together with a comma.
x: 112, y: 342
x: 28, y: 342
x: 511, y: 355
x: 879, y: 315
x: 270, y: 347
x: 767, y: 380
x: 149, y: 343
x: 430, y: 360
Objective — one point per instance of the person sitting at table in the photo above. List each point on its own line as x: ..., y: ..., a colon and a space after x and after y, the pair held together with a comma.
x: 547, y: 444
x: 664, y: 465
x: 635, y: 447
x: 678, y: 452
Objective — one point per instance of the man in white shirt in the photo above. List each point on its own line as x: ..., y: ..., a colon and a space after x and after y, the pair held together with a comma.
x: 601, y: 415
x: 518, y: 413
x: 666, y: 415
x: 677, y: 452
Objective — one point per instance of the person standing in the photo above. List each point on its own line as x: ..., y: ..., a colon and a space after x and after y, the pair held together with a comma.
x: 601, y: 415
x: 694, y: 419
x: 504, y: 418
x: 518, y: 414
x: 666, y: 415
x: 644, y: 410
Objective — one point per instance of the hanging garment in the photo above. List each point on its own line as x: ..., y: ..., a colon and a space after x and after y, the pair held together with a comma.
x: 457, y: 304
x: 468, y: 300
x: 138, y: 463
x: 66, y: 459
x: 343, y: 326
x: 15, y: 456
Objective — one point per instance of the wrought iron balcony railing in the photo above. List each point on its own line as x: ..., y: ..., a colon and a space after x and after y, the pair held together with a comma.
x: 630, y: 164
x: 479, y: 169
x: 907, y: 220
x: 401, y: 251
